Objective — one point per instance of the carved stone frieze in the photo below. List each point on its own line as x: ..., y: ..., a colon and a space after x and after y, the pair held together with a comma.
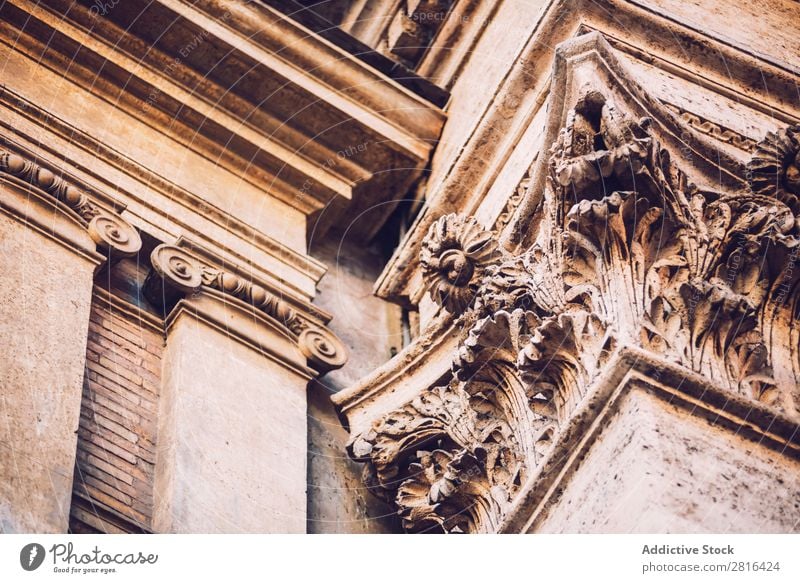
x: 177, y: 272
x: 113, y: 235
x: 714, y: 130
x: 629, y: 253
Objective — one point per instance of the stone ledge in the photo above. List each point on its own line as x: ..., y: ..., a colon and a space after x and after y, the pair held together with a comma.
x: 667, y: 381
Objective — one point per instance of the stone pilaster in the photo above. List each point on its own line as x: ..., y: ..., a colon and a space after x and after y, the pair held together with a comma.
x: 232, y: 421
x: 51, y: 233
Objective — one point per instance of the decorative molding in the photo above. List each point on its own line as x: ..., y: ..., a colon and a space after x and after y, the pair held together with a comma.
x: 714, y: 130
x: 112, y: 234
x: 227, y: 223
x: 626, y: 253
x: 397, y: 126
x: 636, y: 30
x: 177, y: 272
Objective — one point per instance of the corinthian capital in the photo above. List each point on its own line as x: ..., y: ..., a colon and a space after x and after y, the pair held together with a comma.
x: 631, y: 256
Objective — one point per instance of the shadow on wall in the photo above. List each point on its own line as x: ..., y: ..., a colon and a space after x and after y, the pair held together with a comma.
x: 338, y: 501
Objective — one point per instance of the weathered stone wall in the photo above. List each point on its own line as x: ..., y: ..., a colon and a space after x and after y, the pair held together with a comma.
x: 657, y: 467
x: 338, y: 501
x: 47, y: 261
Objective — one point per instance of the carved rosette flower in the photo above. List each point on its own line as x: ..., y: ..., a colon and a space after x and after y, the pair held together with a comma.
x: 774, y: 169
x: 454, y: 255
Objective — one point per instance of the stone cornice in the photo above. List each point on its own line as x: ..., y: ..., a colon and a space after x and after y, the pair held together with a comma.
x: 92, y: 148
x: 263, y: 126
x: 179, y: 273
x: 112, y: 235
x: 637, y: 29
x: 348, y: 82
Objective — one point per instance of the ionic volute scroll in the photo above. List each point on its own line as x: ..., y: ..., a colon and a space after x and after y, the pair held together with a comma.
x: 113, y: 235
x: 177, y: 273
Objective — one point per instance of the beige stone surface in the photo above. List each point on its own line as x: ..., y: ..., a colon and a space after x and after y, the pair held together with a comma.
x: 658, y: 468
x: 47, y: 260
x: 231, y: 455
x: 122, y: 132
x: 475, y: 90
x: 760, y: 28
x: 338, y: 501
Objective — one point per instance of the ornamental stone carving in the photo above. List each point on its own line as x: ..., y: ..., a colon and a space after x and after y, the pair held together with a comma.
x: 453, y: 257
x: 629, y: 253
x: 774, y: 169
x: 177, y: 272
x: 113, y: 235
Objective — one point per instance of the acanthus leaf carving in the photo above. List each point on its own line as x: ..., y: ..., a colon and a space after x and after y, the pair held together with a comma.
x: 629, y: 253
x: 774, y: 168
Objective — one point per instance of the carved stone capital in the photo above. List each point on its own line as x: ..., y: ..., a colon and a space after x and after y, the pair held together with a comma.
x: 630, y: 254
x: 177, y: 272
x: 112, y: 234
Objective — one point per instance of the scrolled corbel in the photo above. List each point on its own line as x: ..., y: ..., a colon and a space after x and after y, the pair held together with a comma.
x: 177, y: 268
x: 113, y: 235
x: 175, y: 273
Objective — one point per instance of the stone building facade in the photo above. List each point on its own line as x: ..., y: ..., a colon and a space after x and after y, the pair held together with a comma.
x: 400, y: 265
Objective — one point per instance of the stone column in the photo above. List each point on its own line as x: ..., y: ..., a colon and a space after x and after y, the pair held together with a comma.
x: 232, y: 422
x: 49, y: 235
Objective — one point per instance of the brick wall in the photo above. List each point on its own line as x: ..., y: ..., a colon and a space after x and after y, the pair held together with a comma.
x: 113, y: 484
